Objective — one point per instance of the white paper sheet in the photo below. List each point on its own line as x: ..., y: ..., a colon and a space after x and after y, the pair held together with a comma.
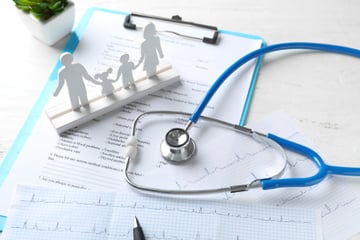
x: 40, y: 213
x: 91, y: 156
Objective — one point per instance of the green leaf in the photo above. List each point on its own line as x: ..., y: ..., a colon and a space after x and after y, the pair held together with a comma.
x: 55, y: 5
x: 41, y: 9
x: 26, y: 9
x: 58, y: 10
x: 37, y: 8
x: 38, y: 15
x: 28, y: 2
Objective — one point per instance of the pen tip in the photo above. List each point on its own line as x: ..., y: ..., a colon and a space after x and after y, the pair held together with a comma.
x: 136, y: 222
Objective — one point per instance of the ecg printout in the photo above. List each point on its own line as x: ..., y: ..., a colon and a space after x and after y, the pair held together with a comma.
x: 91, y: 157
x: 41, y: 213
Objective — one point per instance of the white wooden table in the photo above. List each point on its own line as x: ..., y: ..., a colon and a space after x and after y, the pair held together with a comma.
x: 319, y: 90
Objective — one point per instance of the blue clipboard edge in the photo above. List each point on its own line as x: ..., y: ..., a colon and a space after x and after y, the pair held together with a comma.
x: 45, y: 94
x: 245, y: 111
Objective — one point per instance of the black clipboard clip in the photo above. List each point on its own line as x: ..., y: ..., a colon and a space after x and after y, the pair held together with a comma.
x: 175, y: 19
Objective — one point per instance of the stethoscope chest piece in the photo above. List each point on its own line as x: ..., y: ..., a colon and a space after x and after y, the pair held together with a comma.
x: 177, y: 146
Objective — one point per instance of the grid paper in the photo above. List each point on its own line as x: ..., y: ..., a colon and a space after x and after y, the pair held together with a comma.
x: 43, y: 213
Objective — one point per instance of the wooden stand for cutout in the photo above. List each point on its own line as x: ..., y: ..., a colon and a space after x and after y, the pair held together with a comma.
x: 63, y: 117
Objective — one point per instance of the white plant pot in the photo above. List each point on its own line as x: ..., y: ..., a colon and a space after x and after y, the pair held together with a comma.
x: 53, y: 29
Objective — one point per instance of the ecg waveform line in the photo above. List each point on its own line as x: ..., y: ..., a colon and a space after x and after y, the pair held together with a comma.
x: 328, y: 209
x: 63, y: 228
x: 297, y: 195
x: 217, y: 169
x: 166, y: 208
x: 238, y: 159
x: 93, y: 230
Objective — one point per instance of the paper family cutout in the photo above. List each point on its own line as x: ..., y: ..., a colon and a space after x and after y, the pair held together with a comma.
x: 156, y: 75
x: 75, y: 73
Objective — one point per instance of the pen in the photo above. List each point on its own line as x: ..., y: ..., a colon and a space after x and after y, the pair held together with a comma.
x: 137, y: 231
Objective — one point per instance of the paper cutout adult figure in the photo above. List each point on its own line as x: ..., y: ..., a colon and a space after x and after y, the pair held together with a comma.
x: 150, y: 49
x: 106, y: 83
x: 125, y: 70
x: 73, y: 74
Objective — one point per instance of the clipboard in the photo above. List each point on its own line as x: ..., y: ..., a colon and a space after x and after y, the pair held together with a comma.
x: 213, y: 39
x: 76, y: 36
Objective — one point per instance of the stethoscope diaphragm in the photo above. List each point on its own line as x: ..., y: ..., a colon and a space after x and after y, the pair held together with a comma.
x: 177, y: 146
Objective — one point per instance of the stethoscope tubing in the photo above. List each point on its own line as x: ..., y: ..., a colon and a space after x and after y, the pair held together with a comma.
x: 269, y: 183
x: 323, y: 168
x: 297, y: 182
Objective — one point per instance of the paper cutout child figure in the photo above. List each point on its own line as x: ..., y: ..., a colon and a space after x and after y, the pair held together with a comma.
x: 150, y: 49
x: 73, y: 74
x: 125, y: 70
x: 106, y: 83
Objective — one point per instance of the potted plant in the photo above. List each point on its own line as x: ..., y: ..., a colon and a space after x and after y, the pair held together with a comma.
x: 48, y: 20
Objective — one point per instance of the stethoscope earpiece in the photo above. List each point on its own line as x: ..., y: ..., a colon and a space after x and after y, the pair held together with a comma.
x: 177, y: 146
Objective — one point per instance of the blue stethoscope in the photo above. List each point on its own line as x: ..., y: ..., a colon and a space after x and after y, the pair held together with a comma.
x: 177, y: 145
